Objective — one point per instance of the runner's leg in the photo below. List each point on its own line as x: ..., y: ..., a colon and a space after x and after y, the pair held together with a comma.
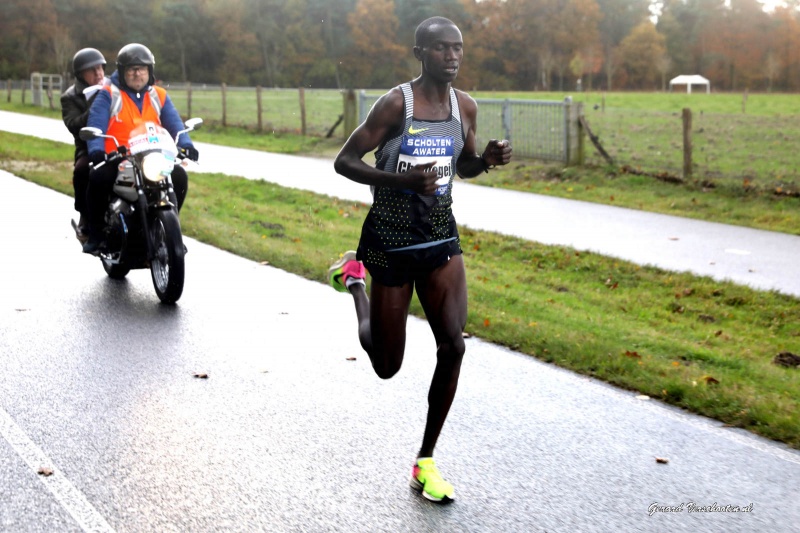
x: 382, y: 324
x: 443, y: 295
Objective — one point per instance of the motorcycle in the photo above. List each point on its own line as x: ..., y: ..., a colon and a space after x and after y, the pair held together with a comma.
x: 142, y: 228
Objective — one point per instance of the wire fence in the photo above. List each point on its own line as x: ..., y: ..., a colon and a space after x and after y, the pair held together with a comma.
x: 741, y: 149
x: 538, y: 129
x: 311, y: 111
x: 751, y: 151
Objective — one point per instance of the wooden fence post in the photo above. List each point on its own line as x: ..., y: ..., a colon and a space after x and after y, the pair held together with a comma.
x: 23, y: 91
x: 573, y: 133
x: 9, y: 91
x: 350, y: 113
x: 258, y: 103
x: 189, y: 99
x: 303, y: 111
x: 744, y: 101
x: 224, y: 106
x: 687, y: 144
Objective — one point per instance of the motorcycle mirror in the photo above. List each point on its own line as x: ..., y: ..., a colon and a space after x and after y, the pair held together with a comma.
x: 191, y: 124
x: 90, y: 133
x: 194, y: 123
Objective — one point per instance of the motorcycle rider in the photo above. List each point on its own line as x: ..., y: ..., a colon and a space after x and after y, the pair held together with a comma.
x: 88, y: 69
x: 135, y: 99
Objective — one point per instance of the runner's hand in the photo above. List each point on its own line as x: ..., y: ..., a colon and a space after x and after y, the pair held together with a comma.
x: 497, y: 153
x: 421, y: 179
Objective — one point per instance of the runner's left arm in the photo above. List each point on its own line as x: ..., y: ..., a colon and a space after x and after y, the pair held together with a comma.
x: 470, y: 163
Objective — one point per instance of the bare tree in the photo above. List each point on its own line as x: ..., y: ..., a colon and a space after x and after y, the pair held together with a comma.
x: 546, y: 63
x: 63, y: 49
x: 772, y: 68
x: 664, y: 65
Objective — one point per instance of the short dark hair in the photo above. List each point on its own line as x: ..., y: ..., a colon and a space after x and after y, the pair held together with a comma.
x: 424, y: 28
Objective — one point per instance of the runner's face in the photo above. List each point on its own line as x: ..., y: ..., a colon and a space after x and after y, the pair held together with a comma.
x: 93, y: 75
x: 441, y: 56
x: 136, y: 77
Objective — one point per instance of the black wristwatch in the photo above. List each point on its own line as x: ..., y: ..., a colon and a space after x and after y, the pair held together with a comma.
x: 486, y: 165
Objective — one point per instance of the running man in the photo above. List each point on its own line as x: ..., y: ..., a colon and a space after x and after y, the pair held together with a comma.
x: 424, y: 131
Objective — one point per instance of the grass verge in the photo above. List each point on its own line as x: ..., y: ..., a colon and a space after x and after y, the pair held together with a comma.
x: 696, y: 343
x: 728, y: 201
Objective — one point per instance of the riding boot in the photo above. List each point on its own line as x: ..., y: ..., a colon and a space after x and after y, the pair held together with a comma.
x: 94, y: 218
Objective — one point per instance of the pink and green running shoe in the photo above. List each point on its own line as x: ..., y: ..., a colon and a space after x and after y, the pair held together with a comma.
x: 347, y: 270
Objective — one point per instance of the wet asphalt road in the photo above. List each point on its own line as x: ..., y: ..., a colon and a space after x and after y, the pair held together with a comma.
x: 288, y: 434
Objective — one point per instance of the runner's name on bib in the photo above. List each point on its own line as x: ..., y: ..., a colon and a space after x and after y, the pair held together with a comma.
x: 421, y: 150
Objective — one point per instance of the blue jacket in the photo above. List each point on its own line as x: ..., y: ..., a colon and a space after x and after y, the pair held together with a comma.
x: 100, y: 114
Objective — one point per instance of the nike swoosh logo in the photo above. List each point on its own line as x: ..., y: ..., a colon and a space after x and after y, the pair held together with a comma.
x: 338, y: 278
x: 412, y: 131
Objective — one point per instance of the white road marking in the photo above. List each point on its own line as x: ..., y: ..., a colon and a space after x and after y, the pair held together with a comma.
x: 735, y: 251
x: 70, y: 498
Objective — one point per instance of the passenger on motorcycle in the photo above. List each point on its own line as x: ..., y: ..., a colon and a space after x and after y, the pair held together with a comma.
x: 87, y: 67
x: 129, y: 100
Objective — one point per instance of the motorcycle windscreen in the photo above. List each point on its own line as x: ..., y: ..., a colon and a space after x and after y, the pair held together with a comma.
x: 148, y: 137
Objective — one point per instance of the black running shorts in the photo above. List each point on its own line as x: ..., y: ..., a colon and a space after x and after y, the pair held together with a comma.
x: 394, y: 269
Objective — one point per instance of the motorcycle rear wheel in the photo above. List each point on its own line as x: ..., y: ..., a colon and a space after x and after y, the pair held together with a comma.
x: 167, y: 266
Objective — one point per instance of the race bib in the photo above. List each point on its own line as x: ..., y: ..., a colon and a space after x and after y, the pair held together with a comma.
x: 421, y: 150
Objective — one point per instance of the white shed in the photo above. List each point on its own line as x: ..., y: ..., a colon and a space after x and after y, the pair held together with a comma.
x: 689, y: 80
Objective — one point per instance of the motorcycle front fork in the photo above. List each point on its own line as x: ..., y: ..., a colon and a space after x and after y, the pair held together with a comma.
x: 168, y: 200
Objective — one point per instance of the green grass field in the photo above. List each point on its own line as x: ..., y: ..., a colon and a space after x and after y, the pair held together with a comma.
x: 740, y: 140
x: 744, y: 171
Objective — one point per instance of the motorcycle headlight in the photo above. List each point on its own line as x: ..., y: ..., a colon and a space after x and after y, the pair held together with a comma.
x: 156, y: 167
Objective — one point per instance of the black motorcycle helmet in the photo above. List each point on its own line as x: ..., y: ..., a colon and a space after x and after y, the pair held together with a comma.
x: 135, y: 54
x: 86, y: 58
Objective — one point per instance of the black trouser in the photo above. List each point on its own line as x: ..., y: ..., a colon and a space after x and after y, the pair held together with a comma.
x: 80, y: 181
x: 101, y: 181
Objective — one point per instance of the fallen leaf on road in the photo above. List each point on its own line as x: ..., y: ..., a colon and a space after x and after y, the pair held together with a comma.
x: 662, y: 460
x: 45, y: 471
x: 351, y: 358
x: 201, y: 375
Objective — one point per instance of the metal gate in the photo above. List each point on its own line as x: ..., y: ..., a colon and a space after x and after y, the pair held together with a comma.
x: 538, y: 129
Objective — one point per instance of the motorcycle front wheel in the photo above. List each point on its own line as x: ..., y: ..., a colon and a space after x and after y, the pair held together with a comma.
x: 115, y: 271
x: 167, y: 265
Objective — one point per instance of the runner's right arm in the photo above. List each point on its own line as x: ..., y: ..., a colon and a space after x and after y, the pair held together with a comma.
x: 385, y: 118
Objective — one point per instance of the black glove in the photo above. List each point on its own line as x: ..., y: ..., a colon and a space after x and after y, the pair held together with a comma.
x: 191, y: 153
x: 114, y: 157
x: 97, y: 157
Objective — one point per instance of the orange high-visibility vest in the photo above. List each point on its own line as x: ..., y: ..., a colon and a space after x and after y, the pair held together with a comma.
x: 128, y: 116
